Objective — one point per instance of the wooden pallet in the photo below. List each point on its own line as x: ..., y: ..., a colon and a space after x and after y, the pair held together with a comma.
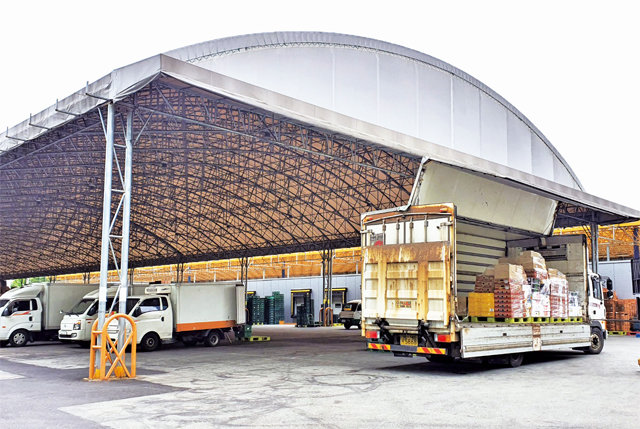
x: 256, y: 338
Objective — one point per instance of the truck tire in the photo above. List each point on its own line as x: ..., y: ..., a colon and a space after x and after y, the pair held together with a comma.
x: 347, y: 325
x: 597, y: 342
x: 19, y: 338
x: 213, y: 339
x: 515, y: 360
x: 150, y: 342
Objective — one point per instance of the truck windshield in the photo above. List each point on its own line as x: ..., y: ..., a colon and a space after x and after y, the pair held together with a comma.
x: 81, y: 307
x: 131, y: 302
x: 3, y: 302
x: 349, y: 307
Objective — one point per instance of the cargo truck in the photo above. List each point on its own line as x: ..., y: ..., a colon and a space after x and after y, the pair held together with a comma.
x: 34, y: 312
x: 76, y: 323
x: 189, y: 312
x: 420, y: 264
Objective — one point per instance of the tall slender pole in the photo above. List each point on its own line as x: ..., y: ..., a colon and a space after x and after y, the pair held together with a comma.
x: 594, y: 247
x: 106, y: 217
x: 126, y: 211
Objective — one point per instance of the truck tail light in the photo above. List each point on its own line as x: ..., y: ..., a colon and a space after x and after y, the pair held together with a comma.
x: 440, y: 338
x: 373, y: 334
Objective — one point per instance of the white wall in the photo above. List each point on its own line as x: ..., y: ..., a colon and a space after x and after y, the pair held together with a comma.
x: 620, y: 273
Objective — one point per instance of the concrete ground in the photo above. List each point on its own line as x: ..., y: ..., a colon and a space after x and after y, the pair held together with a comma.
x: 321, y: 377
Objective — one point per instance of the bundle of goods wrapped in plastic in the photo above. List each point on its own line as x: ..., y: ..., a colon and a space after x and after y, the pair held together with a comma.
x: 559, y: 294
x: 575, y: 309
x: 522, y: 286
x: 540, y: 304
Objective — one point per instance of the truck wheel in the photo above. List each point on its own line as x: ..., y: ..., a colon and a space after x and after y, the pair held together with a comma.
x: 347, y: 325
x: 150, y: 342
x: 597, y: 342
x: 19, y: 338
x: 515, y: 360
x: 213, y: 339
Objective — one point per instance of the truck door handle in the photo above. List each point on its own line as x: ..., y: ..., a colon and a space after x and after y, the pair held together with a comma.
x: 162, y: 319
x: 30, y: 318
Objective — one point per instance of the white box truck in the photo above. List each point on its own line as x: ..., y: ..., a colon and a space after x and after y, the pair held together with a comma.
x: 34, y: 312
x: 187, y: 312
x: 77, y: 322
x: 420, y: 264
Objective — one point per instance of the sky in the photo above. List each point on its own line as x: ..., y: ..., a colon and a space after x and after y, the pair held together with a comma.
x: 571, y: 67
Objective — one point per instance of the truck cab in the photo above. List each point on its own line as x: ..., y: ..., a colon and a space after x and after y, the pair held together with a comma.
x: 77, y: 322
x: 20, y: 314
x: 153, y: 316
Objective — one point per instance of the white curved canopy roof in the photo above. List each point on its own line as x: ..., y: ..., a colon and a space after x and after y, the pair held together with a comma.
x: 387, y: 85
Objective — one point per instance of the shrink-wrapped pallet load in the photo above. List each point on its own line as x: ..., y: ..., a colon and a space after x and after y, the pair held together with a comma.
x: 559, y: 294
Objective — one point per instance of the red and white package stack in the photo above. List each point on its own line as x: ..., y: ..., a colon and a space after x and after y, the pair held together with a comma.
x: 508, y: 293
x: 559, y: 294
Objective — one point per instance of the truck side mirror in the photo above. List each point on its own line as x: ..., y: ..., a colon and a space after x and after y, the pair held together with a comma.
x: 609, y: 284
x: 609, y: 294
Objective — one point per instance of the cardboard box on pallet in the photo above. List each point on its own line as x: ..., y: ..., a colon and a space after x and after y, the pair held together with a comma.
x: 534, y: 264
x: 513, y: 273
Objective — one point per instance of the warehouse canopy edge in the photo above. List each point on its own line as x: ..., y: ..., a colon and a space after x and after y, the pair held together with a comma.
x: 574, y: 207
x: 580, y: 207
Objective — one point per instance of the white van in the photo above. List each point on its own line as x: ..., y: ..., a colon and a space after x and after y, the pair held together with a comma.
x: 350, y: 314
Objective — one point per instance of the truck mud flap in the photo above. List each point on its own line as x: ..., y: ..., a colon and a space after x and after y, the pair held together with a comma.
x: 406, y: 350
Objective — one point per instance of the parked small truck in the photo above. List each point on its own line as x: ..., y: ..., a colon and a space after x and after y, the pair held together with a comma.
x: 420, y: 265
x: 34, y: 312
x: 188, y: 312
x: 76, y: 323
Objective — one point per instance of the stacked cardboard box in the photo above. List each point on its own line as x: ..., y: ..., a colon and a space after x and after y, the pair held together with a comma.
x: 508, y: 293
x: 485, y: 281
x: 621, y: 309
x: 533, y: 264
x: 559, y: 294
x: 481, y: 304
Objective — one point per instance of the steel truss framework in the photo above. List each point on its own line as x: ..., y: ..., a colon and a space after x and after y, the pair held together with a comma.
x: 211, y: 178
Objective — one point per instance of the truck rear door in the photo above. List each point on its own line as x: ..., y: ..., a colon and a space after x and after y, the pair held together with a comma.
x: 407, y: 266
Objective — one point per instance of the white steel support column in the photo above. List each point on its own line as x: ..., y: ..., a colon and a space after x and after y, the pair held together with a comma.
x: 106, y: 215
x: 594, y: 247
x: 126, y: 210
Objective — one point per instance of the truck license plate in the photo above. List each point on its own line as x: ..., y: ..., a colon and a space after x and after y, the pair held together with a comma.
x: 408, y: 340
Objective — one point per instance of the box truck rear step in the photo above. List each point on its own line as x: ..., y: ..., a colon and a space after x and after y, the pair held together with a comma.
x: 407, y: 349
